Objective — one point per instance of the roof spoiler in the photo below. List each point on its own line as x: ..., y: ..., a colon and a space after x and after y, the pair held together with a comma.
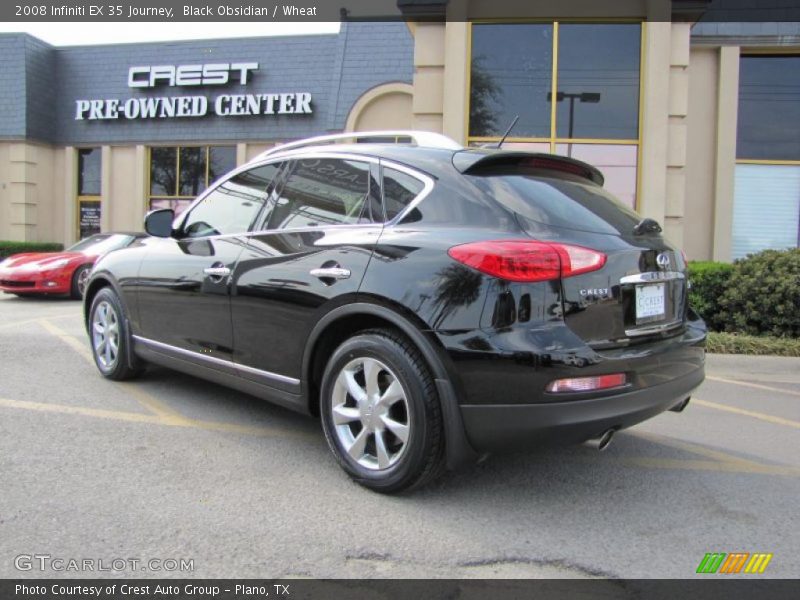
x: 473, y: 161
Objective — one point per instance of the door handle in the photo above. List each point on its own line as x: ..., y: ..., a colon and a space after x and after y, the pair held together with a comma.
x: 331, y: 273
x: 217, y: 271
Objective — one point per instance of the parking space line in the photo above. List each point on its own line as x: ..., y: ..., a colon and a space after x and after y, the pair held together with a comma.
x: 707, y: 465
x: 36, y: 320
x: 720, y: 466
x: 80, y: 410
x: 692, y: 448
x: 80, y: 348
x: 749, y: 413
x: 155, y: 419
x: 150, y: 402
x: 166, y: 416
x: 757, y: 386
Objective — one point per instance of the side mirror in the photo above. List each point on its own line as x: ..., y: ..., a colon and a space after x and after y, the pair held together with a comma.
x: 158, y: 223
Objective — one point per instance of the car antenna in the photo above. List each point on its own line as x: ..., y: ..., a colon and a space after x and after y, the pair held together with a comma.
x: 503, y: 139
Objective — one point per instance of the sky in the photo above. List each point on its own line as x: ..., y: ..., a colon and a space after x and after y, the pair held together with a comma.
x: 72, y: 34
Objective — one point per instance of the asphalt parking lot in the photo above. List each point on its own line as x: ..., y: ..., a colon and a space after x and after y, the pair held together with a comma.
x: 169, y: 467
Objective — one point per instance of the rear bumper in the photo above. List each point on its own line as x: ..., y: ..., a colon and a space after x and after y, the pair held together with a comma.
x: 515, y: 426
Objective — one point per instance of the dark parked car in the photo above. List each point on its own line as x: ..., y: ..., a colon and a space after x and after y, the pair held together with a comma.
x: 430, y: 303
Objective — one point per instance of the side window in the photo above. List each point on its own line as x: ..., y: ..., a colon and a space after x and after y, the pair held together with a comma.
x: 232, y: 205
x: 399, y: 189
x: 323, y: 191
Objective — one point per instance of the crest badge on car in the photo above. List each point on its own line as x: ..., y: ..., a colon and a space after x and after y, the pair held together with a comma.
x: 663, y: 261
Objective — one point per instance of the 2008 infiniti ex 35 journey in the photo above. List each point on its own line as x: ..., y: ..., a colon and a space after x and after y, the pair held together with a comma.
x: 430, y: 303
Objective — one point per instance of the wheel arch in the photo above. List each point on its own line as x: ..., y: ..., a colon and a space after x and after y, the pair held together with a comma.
x: 340, y: 324
x: 100, y: 281
x: 78, y: 267
x: 96, y: 283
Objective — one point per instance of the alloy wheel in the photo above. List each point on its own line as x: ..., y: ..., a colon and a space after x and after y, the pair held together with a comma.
x: 105, y: 334
x: 370, y: 413
x: 83, y: 279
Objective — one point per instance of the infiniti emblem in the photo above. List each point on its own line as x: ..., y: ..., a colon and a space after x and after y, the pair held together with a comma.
x: 663, y: 261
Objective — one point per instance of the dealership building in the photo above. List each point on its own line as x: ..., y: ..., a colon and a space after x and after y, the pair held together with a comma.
x: 694, y: 124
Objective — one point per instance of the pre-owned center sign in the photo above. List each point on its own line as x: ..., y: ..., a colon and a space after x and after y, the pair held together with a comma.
x: 166, y: 107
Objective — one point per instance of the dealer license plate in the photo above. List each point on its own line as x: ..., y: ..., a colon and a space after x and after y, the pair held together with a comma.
x: 650, y: 304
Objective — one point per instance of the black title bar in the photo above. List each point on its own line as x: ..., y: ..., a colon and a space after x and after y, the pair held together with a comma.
x: 712, y: 587
x: 383, y: 10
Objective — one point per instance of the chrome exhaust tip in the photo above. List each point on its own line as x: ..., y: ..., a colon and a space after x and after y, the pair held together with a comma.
x: 601, y: 442
x: 681, y: 406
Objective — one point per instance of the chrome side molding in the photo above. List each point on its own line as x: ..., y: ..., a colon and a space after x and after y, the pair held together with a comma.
x: 214, y: 360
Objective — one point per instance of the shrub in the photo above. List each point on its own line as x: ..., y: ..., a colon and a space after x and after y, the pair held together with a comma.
x: 762, y: 296
x: 733, y: 343
x: 9, y: 248
x: 709, y: 282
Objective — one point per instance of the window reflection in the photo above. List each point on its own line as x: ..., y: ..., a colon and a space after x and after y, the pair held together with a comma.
x: 221, y: 160
x: 598, y: 81
x: 543, y: 147
x: 232, y: 205
x: 399, y: 190
x: 323, y: 192
x: 193, y: 171
x: 179, y: 174
x: 176, y: 205
x: 769, y: 108
x: 89, y: 162
x: 616, y: 162
x: 511, y: 74
x: 89, y: 187
x: 163, y: 171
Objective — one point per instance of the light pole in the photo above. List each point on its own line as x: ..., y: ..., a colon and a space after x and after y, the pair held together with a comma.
x: 584, y: 97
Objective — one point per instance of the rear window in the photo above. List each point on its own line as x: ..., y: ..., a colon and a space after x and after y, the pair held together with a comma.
x: 399, y: 190
x: 565, y: 202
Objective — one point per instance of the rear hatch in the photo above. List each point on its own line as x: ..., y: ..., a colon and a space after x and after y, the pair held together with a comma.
x: 640, y: 293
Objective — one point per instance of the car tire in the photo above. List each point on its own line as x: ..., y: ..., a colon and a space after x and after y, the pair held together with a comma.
x: 110, y: 339
x: 381, y: 413
x: 79, y: 280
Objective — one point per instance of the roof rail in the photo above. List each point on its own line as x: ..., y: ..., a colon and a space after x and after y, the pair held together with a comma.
x: 426, y: 139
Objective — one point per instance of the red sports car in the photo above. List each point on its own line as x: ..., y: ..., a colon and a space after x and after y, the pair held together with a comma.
x: 64, y: 272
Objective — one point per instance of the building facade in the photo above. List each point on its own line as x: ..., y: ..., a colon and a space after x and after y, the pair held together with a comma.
x: 694, y: 124
x: 92, y: 137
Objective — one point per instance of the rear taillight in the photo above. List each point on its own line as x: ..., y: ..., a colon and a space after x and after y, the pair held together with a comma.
x: 528, y: 261
x: 587, y: 384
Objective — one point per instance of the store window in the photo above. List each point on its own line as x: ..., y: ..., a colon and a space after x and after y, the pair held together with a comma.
x: 511, y: 74
x: 88, y: 176
x: 594, y: 114
x: 766, y: 210
x: 179, y: 173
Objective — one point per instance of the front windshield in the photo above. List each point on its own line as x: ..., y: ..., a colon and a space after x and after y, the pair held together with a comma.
x: 101, y: 243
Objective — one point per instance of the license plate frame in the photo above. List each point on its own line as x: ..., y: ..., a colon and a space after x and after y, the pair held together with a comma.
x: 650, y: 303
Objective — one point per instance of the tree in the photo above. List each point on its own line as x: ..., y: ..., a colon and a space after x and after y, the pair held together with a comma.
x: 484, y: 94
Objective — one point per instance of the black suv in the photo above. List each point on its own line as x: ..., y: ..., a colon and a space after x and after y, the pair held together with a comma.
x: 429, y: 302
